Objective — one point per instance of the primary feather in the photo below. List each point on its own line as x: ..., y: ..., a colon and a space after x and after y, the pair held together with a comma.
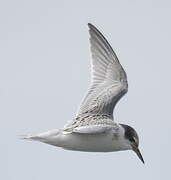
x: 108, y: 81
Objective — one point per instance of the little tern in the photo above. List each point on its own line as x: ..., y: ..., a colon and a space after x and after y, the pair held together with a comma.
x: 94, y: 129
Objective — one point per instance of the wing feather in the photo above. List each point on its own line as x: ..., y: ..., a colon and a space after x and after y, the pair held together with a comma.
x: 109, y: 80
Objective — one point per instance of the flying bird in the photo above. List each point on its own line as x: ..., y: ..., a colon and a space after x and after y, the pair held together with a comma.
x: 93, y: 129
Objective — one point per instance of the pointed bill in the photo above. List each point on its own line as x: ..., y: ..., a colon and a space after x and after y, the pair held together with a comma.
x: 137, y: 151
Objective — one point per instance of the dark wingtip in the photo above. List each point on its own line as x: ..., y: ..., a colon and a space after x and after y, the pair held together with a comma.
x: 91, y: 26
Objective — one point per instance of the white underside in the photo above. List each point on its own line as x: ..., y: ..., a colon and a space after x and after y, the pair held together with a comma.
x: 103, y: 142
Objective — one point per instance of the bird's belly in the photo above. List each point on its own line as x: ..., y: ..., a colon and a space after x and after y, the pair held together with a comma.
x: 87, y: 142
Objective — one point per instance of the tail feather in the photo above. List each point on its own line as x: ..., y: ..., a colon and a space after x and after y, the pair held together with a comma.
x: 43, y: 137
x: 30, y: 137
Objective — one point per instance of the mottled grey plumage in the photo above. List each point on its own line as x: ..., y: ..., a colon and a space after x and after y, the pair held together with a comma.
x: 109, y: 81
x: 93, y: 129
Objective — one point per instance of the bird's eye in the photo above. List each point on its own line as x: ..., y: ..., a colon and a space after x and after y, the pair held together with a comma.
x: 132, y: 139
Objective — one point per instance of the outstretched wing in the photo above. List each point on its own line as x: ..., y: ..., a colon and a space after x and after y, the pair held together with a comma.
x: 109, y: 80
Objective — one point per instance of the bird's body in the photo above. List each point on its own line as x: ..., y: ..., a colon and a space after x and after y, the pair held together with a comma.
x: 90, y: 138
x: 94, y: 129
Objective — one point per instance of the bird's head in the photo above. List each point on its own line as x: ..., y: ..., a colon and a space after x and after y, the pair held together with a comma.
x: 132, y: 138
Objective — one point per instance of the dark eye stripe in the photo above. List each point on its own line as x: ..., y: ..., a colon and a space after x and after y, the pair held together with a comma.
x: 130, y: 134
x: 132, y: 139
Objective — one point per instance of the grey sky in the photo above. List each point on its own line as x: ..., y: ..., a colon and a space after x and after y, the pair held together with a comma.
x: 44, y: 74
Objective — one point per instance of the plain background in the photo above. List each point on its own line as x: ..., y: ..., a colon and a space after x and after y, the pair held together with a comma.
x: 44, y: 74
